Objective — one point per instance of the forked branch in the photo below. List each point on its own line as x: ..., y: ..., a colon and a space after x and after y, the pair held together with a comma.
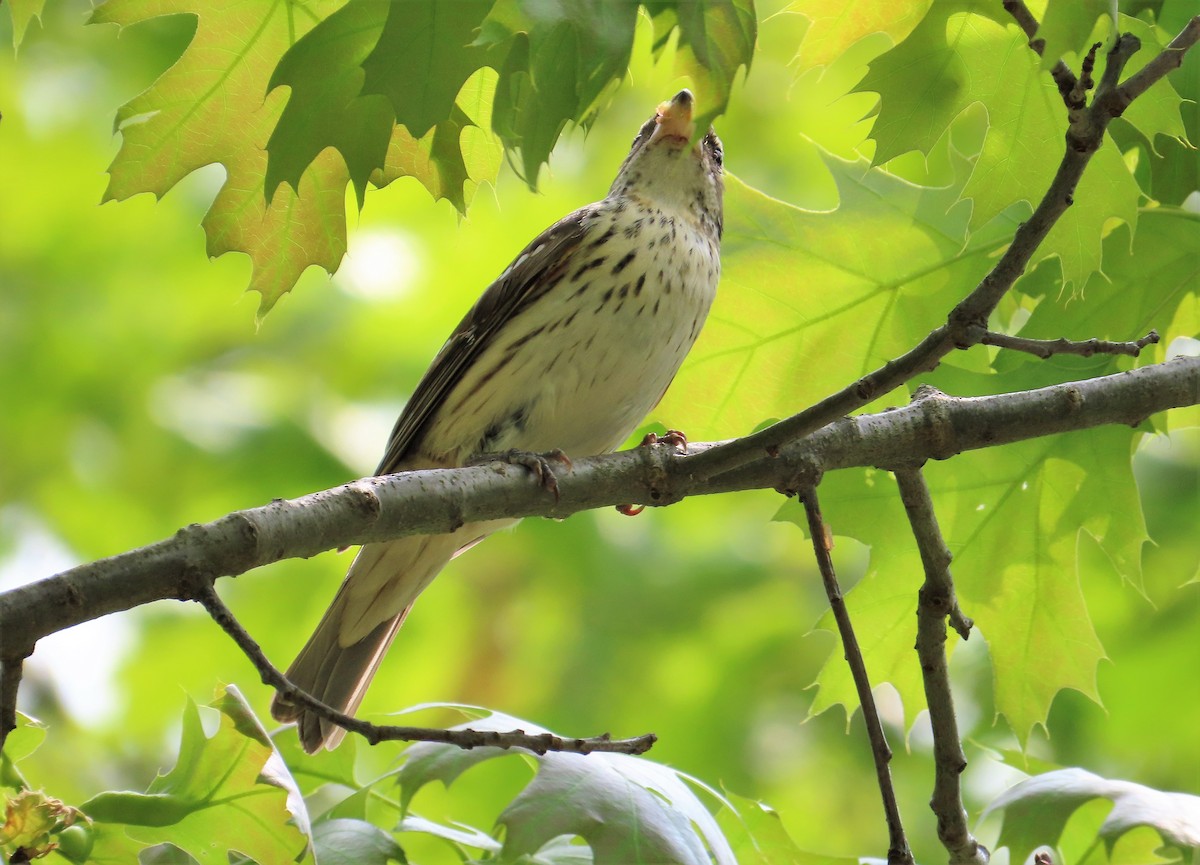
x: 938, y: 602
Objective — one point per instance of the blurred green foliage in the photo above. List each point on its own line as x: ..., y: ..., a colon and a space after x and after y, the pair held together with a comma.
x: 137, y: 394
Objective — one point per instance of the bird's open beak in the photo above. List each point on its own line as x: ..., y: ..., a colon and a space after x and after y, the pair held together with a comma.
x: 675, y: 118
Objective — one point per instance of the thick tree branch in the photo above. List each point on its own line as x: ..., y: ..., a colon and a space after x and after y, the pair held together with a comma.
x: 933, y: 426
x: 11, y: 670
x: 937, y: 602
x: 967, y: 322
x: 425, y: 502
x: 899, y: 852
x: 539, y: 743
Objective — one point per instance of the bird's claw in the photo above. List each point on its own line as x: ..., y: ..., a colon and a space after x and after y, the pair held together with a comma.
x: 537, y: 463
x: 672, y: 437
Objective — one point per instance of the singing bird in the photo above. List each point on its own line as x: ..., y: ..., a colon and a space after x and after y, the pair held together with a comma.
x: 570, y: 348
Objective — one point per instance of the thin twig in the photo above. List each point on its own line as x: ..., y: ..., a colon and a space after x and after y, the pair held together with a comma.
x: 1044, y: 348
x: 1062, y: 74
x: 11, y: 670
x: 899, y: 852
x: 1077, y: 114
x: 1169, y: 59
x: 937, y: 602
x: 374, y: 734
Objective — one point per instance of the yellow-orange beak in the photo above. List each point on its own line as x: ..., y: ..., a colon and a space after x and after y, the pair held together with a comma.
x: 675, y: 117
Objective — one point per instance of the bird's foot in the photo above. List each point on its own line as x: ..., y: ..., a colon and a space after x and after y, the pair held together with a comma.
x: 537, y: 463
x: 672, y: 437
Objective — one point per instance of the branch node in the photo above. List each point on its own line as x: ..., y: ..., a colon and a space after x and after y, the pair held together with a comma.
x: 1086, y: 82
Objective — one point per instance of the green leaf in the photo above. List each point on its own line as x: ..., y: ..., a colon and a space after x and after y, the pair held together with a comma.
x: 560, y: 58
x: 233, y: 786
x: 1068, y: 25
x: 958, y: 56
x: 323, y: 71
x: 1157, y: 111
x: 758, y: 837
x: 835, y: 27
x: 1174, y: 169
x: 864, y: 504
x: 1145, y: 284
x: 716, y: 39
x: 1037, y: 809
x: 626, y: 808
x: 209, y: 108
x: 829, y: 295
x: 440, y: 90
x: 423, y: 57
x: 24, y: 11
x: 1012, y: 516
x: 372, y: 63
x: 1025, y: 504
x: 313, y: 771
x: 454, y: 157
x: 22, y: 741
x: 931, y: 76
x: 355, y: 842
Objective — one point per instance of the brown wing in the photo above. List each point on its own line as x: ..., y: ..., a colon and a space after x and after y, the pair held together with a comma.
x: 535, y: 271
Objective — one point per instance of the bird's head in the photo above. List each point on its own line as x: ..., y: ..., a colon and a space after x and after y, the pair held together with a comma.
x: 665, y: 169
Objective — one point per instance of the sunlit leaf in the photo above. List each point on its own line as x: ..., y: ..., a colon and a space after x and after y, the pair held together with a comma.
x: 1157, y: 111
x: 325, y: 109
x: 960, y: 54
x: 559, y: 59
x: 1011, y: 516
x: 757, y: 836
x: 232, y: 786
x: 835, y: 27
x: 1066, y: 27
x: 1143, y: 288
x: 23, y: 11
x: 810, y: 301
x: 22, y: 741
x: 209, y: 107
x: 716, y: 39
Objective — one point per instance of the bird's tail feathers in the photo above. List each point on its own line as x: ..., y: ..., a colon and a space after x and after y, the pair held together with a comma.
x: 383, y: 578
